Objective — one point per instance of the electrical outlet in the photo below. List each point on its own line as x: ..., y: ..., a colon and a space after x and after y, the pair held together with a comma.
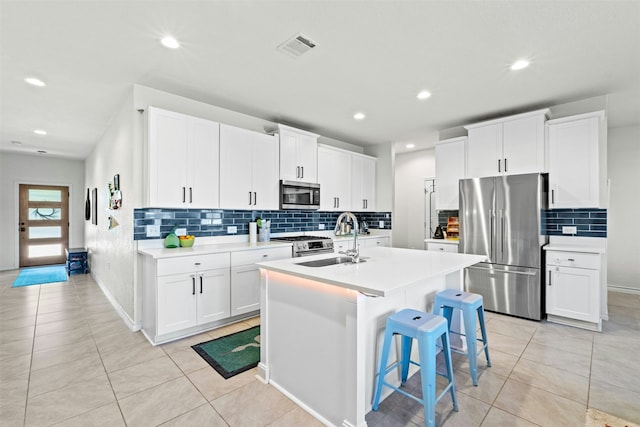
x: 380, y: 224
x: 181, y: 231
x: 320, y: 226
x: 153, y: 230
x: 232, y: 229
x: 569, y: 230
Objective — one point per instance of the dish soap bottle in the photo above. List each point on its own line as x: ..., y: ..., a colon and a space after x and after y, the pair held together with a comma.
x: 171, y: 241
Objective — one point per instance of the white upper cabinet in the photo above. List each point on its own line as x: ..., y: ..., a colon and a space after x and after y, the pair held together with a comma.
x: 363, y: 183
x: 248, y: 169
x: 183, y: 160
x: 450, y: 168
x: 334, y: 176
x: 507, y: 146
x: 298, y: 154
x: 577, y: 161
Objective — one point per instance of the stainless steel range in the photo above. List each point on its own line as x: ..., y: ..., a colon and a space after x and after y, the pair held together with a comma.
x: 308, y: 245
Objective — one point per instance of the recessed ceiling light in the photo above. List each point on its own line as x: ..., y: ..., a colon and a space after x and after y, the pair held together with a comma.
x: 410, y: 145
x: 423, y: 95
x: 34, y: 81
x: 170, y: 42
x: 520, y: 64
x: 359, y: 116
x: 40, y: 132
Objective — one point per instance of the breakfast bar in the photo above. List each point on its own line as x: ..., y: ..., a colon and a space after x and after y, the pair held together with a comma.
x: 323, y: 323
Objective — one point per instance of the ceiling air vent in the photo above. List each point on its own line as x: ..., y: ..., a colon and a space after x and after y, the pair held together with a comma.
x: 297, y: 45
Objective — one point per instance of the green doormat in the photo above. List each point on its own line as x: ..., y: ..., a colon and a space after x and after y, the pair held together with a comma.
x: 232, y: 354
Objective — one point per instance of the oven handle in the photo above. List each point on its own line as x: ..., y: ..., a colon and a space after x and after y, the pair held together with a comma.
x: 316, y: 252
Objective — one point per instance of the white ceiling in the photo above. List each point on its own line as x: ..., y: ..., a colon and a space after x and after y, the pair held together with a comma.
x: 372, y: 56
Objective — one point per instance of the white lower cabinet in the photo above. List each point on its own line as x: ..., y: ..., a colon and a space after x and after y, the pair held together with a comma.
x: 343, y: 244
x: 375, y: 241
x: 185, y: 295
x: 245, y: 277
x: 573, y: 288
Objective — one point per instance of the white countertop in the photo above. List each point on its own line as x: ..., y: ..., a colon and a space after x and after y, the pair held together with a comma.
x: 445, y: 241
x: 574, y: 248
x: 385, y: 271
x: 202, y: 249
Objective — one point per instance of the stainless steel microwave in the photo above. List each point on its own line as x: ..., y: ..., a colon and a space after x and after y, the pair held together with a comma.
x: 299, y: 195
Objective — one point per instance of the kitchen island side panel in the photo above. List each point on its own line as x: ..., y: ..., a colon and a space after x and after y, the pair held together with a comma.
x: 321, y: 343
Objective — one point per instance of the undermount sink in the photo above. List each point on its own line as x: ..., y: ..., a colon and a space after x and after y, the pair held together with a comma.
x: 328, y: 261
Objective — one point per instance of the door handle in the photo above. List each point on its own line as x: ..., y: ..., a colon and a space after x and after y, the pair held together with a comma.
x: 193, y: 285
x: 549, y: 277
x: 552, y: 197
x: 505, y: 164
x: 201, y: 283
x: 255, y: 198
x: 338, y: 198
x: 184, y: 194
x: 23, y: 229
x: 297, y: 171
x: 499, y: 166
x: 302, y: 172
x: 190, y: 194
x: 249, y: 197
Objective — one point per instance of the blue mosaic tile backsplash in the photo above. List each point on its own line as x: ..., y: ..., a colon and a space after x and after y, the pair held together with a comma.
x: 589, y: 222
x: 214, y: 222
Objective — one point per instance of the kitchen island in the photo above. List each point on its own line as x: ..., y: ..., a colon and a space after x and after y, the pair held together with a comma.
x: 323, y: 327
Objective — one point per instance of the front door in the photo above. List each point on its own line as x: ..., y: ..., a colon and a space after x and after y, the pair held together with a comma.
x: 43, y: 224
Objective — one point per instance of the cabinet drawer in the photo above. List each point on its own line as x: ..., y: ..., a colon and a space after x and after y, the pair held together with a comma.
x: 188, y: 264
x: 258, y: 255
x: 442, y: 247
x: 574, y: 259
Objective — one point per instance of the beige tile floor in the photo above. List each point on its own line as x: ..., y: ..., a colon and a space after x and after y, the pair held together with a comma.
x: 67, y: 359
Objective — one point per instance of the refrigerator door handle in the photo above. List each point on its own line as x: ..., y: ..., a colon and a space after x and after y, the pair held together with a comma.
x: 502, y: 236
x: 525, y: 273
x: 491, y: 236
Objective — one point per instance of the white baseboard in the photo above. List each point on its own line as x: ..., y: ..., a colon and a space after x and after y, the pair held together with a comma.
x: 623, y: 289
x: 134, y: 326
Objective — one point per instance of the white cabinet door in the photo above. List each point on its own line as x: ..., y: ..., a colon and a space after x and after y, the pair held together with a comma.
x: 334, y: 176
x: 236, y: 181
x: 574, y: 175
x: 308, y: 158
x: 176, y: 302
x: 298, y: 155
x: 213, y: 295
x: 167, y: 158
x: 484, y: 151
x: 573, y: 293
x: 245, y: 289
x: 523, y: 145
x: 203, y: 160
x: 265, y: 170
x: 450, y: 168
x: 363, y: 183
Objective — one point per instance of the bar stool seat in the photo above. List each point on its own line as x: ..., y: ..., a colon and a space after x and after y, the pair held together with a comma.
x: 428, y: 329
x: 470, y: 305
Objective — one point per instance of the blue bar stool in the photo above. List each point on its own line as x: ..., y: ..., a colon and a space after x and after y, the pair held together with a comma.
x: 469, y: 304
x: 427, y: 329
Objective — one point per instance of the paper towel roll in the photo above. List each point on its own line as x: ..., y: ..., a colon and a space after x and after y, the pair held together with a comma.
x: 253, y: 232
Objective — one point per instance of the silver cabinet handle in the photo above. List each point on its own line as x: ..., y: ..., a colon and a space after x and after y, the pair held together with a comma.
x: 249, y: 197
x: 552, y: 197
x: 196, y: 263
x: 255, y: 198
x: 190, y: 194
x: 201, y: 283
x: 338, y: 202
x: 193, y: 285
x: 302, y: 172
x: 499, y: 166
x: 184, y: 194
x: 298, y: 175
x: 265, y: 256
x: 549, y: 277
x: 505, y: 164
x: 570, y: 259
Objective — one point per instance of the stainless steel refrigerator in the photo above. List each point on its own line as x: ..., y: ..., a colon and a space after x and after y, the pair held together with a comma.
x: 500, y: 217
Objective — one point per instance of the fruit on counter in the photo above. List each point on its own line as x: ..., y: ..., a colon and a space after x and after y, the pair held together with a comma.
x: 187, y: 237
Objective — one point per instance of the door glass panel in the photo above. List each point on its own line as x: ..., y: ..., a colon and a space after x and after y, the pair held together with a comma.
x: 41, y: 195
x: 37, y: 214
x: 44, y: 250
x: 45, y: 232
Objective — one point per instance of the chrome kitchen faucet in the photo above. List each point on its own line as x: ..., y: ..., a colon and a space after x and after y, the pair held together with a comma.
x: 354, y: 253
